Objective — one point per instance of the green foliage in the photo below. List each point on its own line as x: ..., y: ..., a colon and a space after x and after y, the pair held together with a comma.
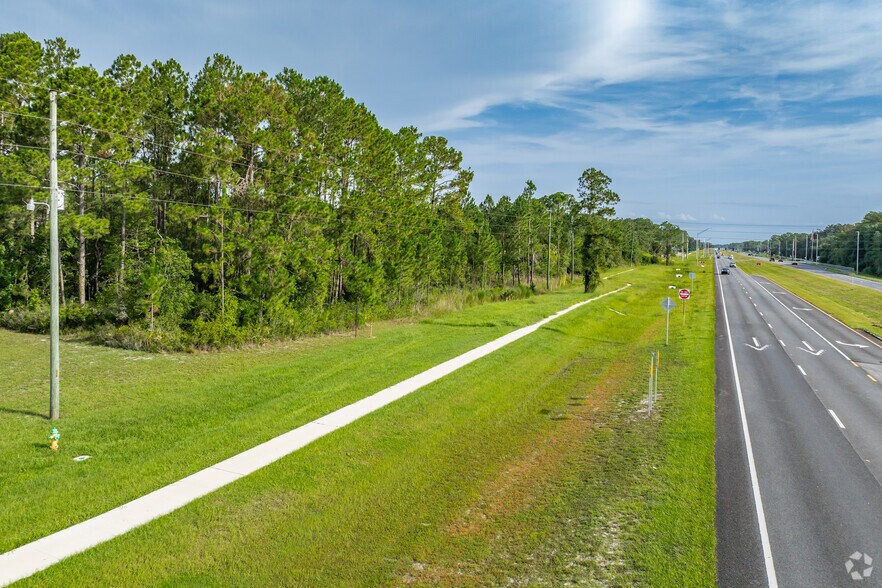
x: 836, y: 245
x: 233, y: 206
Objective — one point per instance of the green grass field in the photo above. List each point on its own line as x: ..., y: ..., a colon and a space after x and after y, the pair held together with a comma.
x: 857, y: 306
x: 534, y: 465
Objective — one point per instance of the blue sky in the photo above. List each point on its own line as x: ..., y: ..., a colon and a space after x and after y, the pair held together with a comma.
x: 745, y: 117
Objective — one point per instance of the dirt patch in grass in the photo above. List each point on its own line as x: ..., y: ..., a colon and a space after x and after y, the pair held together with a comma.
x: 589, y: 404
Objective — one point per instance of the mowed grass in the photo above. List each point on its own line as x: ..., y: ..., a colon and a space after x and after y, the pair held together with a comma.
x: 148, y: 420
x: 535, y: 465
x: 857, y: 306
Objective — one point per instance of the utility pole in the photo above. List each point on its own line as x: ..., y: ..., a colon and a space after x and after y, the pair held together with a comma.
x: 548, y: 269
x: 54, y: 363
x: 806, y: 247
x: 572, y: 249
x: 633, y: 236
x: 857, y: 255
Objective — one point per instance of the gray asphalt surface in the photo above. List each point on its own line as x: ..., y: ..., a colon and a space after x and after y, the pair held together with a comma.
x: 809, y: 267
x: 818, y: 269
x: 819, y: 483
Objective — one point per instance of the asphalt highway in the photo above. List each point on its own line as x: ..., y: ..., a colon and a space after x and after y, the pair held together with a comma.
x: 817, y: 269
x: 821, y: 270
x: 799, y: 442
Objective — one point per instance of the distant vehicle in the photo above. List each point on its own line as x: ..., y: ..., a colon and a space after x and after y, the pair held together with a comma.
x: 794, y: 263
x: 724, y: 271
x: 730, y: 257
x: 732, y: 264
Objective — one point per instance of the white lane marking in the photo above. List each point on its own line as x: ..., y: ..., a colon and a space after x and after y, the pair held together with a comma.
x: 803, y: 322
x: 755, y: 342
x: 770, y: 326
x: 798, y: 308
x: 859, y: 334
x: 853, y: 345
x: 802, y: 371
x: 782, y: 343
x: 30, y: 558
x: 811, y: 349
x: 761, y: 313
x: 836, y: 418
x: 754, y: 480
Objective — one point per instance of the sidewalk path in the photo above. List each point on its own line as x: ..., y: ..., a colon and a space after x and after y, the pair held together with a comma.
x: 29, y: 559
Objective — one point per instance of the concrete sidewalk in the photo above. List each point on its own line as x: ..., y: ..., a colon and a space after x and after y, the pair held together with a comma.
x: 29, y: 559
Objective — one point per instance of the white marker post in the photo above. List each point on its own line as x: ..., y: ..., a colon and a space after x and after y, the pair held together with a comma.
x: 668, y: 305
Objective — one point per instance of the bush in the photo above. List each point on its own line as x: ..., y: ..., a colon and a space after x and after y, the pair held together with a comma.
x: 140, y: 339
x: 26, y: 320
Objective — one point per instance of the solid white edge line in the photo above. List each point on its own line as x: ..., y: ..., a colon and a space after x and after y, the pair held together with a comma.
x: 30, y: 558
x: 754, y: 480
x: 802, y: 371
x: 836, y: 418
x: 775, y: 298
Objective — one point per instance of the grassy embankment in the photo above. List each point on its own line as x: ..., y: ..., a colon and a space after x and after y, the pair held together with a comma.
x: 537, y: 464
x: 857, y: 306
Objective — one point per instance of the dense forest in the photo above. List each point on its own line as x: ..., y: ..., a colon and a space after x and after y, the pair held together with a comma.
x: 836, y: 244
x: 233, y: 206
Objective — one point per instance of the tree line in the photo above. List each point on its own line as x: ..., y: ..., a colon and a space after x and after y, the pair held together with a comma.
x: 837, y: 244
x: 230, y: 206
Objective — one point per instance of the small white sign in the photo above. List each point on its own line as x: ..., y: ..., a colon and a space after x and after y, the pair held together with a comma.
x: 82, y: 457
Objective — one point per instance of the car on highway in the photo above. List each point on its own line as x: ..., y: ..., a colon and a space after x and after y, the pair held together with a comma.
x: 724, y: 271
x: 732, y: 264
x: 794, y: 263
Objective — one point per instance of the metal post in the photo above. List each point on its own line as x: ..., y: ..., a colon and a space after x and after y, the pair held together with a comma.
x: 667, y: 324
x: 857, y: 255
x: 54, y: 364
x: 573, y: 249
x: 657, y: 367
x: 548, y: 269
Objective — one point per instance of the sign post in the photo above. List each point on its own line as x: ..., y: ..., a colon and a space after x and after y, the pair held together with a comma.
x: 684, y: 296
x: 668, y: 305
x: 692, y: 277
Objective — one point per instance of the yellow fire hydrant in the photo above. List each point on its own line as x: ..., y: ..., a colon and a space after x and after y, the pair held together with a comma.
x: 54, y: 436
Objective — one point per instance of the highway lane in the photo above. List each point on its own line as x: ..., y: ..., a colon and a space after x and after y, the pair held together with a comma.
x: 812, y: 493
x: 821, y: 270
x: 817, y: 269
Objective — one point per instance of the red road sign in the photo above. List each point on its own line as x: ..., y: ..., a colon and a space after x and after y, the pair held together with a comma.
x: 684, y: 294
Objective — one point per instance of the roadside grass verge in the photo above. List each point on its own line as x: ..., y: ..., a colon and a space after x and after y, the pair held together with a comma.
x: 535, y: 465
x: 856, y: 306
x: 150, y: 419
